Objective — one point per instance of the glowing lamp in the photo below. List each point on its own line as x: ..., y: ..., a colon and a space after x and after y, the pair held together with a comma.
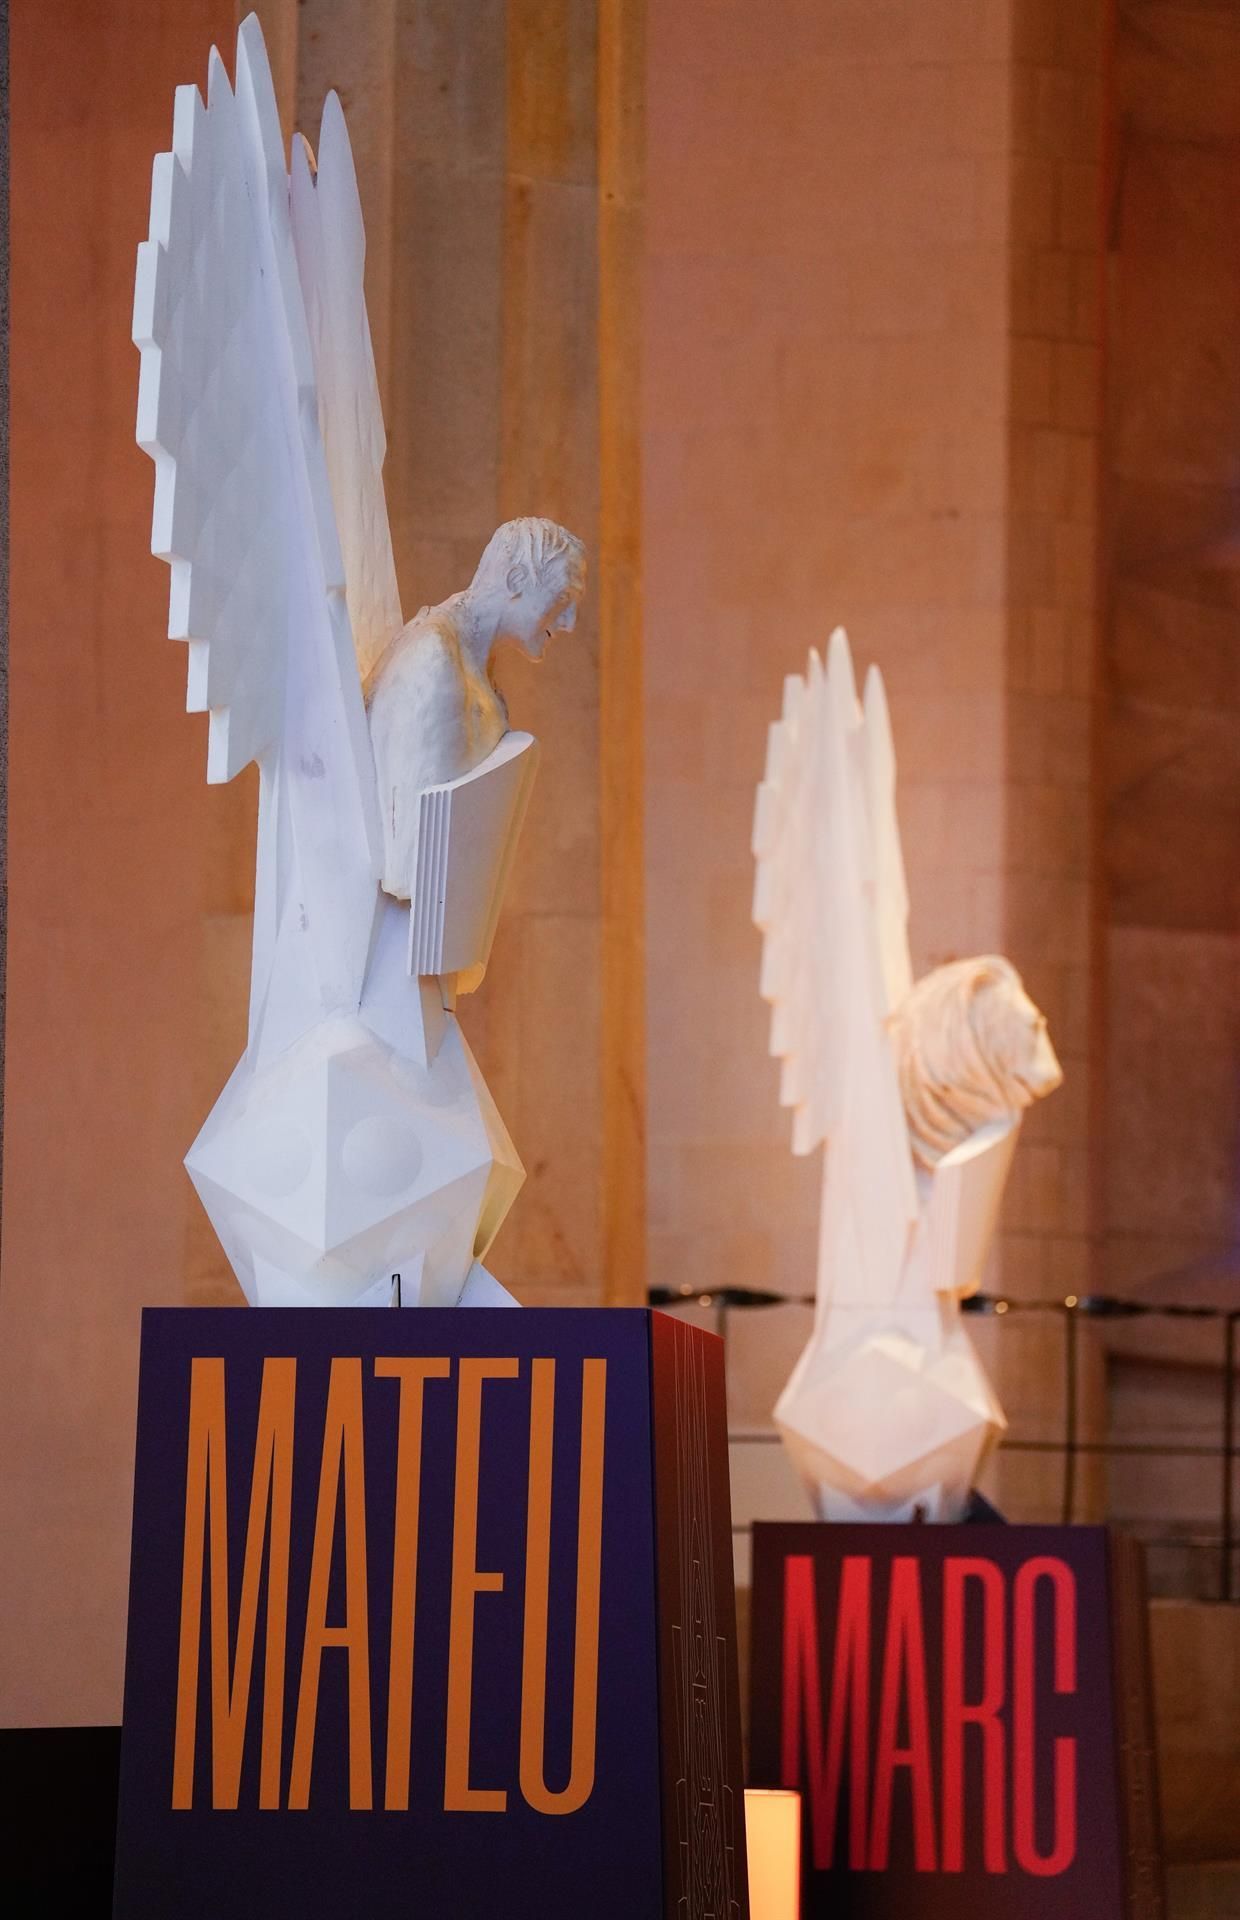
x: 773, y: 1842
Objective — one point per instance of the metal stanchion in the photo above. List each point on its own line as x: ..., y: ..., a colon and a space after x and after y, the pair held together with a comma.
x: 1226, y: 1582
x: 722, y: 1301
x: 1070, y: 1409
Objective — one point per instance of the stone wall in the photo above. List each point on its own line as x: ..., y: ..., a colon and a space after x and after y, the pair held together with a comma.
x: 826, y: 366
x: 1051, y: 881
x: 499, y: 149
x: 499, y: 153
x: 857, y: 363
x: 1172, y: 790
x: 1172, y: 734
x: 120, y: 872
x: 871, y: 395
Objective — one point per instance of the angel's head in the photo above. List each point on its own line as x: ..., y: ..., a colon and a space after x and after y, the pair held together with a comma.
x: 531, y: 577
x: 971, y: 1047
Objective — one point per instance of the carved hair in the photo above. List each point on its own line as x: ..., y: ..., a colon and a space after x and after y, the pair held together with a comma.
x: 535, y: 545
x: 970, y: 1047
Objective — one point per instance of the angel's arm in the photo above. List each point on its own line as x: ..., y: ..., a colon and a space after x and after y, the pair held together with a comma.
x: 823, y: 968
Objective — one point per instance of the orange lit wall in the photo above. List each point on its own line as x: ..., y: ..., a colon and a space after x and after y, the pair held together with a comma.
x: 499, y: 162
x: 110, y: 890
x: 871, y: 398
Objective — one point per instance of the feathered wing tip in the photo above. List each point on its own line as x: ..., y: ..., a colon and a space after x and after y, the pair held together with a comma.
x: 830, y: 904
x: 221, y: 326
x: 829, y: 892
x: 217, y: 77
x: 269, y: 175
x: 243, y: 515
x: 840, y: 673
x: 785, y: 905
x: 335, y: 164
x: 205, y: 415
x: 330, y: 240
x: 891, y: 901
x: 254, y: 75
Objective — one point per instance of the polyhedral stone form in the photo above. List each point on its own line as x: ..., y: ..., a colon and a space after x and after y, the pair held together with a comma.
x: 356, y: 1169
x: 355, y: 1156
x: 896, y: 1416
x: 914, y: 1090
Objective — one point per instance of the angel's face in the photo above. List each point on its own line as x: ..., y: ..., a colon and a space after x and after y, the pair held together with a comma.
x: 538, y: 607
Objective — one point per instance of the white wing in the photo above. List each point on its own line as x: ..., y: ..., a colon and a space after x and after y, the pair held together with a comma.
x: 829, y: 900
x: 210, y: 416
x: 890, y: 889
x: 331, y: 253
x: 243, y: 512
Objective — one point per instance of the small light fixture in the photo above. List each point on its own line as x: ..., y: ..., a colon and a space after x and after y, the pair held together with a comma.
x: 773, y: 1842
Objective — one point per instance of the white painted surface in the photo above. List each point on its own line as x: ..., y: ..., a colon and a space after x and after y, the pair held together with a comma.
x: 467, y: 836
x: 355, y: 1156
x: 887, y: 1410
x: 435, y: 712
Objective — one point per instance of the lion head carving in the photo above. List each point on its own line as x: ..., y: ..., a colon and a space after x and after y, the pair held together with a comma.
x: 970, y: 1047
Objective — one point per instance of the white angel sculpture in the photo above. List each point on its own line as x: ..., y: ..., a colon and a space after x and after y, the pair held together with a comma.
x: 917, y: 1093
x: 355, y: 1156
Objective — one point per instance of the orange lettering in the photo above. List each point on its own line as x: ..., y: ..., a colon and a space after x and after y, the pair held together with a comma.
x: 342, y: 1444
x: 271, y: 1483
x: 467, y: 1583
x: 413, y: 1375
x: 537, y: 1590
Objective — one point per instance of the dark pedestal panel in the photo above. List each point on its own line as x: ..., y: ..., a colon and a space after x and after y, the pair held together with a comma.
x: 431, y: 1614
x: 966, y: 1711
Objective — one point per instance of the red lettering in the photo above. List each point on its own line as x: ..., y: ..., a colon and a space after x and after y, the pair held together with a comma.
x: 850, y: 1694
x: 904, y: 1676
x: 984, y: 1713
x: 1024, y: 1715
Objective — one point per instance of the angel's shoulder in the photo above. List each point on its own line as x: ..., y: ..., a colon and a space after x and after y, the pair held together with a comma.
x: 435, y: 627
x: 427, y: 649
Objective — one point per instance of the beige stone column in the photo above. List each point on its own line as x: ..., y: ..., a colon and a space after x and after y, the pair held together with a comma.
x: 498, y: 151
x: 622, y: 154
x: 1172, y: 760
x: 1051, y: 893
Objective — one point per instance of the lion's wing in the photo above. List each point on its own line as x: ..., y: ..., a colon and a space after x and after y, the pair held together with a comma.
x: 890, y: 889
x: 828, y: 899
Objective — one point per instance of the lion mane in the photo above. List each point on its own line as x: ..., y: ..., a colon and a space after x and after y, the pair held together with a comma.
x: 970, y: 1048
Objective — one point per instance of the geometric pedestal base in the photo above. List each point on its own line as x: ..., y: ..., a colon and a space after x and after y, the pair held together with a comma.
x: 431, y: 1614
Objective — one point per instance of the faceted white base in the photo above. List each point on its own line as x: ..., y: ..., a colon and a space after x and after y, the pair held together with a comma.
x: 887, y: 1421
x: 344, y: 1163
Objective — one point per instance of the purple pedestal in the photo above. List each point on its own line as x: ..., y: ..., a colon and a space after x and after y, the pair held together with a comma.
x: 431, y: 1614
x: 966, y: 1711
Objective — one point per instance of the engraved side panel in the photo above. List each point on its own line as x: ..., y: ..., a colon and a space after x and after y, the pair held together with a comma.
x: 965, y: 1712
x: 1136, y: 1743
x: 703, y: 1793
